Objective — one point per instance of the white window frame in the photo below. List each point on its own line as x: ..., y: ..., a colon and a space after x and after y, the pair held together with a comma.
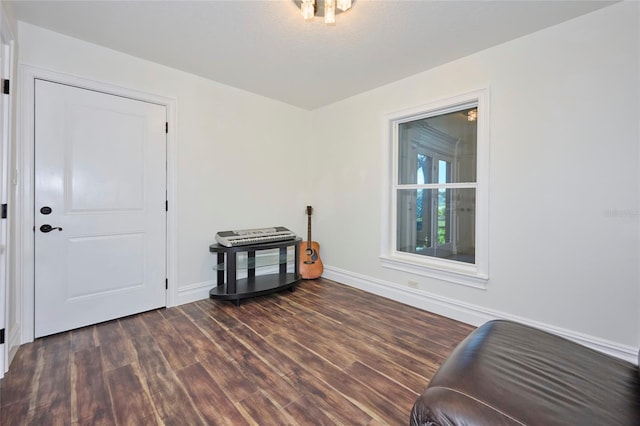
x: 474, y: 275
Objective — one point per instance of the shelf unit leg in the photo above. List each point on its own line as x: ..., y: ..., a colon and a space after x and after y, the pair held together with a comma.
x: 251, y: 264
x: 231, y: 273
x: 283, y: 265
x: 220, y: 269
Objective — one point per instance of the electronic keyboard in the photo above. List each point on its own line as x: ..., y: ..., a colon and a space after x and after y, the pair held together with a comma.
x: 254, y: 236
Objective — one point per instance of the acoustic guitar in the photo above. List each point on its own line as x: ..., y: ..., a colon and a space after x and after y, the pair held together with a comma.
x: 310, y: 263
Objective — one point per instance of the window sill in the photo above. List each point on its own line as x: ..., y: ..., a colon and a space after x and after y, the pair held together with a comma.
x: 437, y: 268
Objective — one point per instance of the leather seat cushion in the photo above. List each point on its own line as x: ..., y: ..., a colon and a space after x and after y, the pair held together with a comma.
x: 505, y: 373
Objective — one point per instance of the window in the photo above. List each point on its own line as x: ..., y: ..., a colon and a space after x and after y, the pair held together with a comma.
x: 438, y: 164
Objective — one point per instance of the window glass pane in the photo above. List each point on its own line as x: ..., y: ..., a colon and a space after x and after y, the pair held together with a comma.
x: 449, y: 138
x: 444, y: 227
x: 444, y: 171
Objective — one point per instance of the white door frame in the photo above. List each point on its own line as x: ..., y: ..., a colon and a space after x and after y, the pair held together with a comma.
x: 7, y: 44
x: 24, y: 217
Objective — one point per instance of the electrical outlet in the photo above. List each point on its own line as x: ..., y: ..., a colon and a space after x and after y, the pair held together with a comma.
x: 413, y: 284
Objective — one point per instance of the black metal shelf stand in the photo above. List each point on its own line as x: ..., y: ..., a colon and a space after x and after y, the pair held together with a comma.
x: 253, y: 285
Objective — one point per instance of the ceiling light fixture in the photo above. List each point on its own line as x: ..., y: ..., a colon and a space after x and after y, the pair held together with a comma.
x: 327, y: 8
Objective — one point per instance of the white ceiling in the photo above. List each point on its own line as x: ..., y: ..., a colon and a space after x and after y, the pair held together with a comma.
x: 265, y: 46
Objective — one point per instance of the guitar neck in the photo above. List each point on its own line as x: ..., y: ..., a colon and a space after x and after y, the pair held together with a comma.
x: 309, y: 232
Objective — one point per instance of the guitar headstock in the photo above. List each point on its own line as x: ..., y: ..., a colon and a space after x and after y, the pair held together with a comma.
x: 309, y: 210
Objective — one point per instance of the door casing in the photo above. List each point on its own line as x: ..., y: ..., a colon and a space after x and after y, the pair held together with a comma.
x: 24, y: 218
x: 9, y: 346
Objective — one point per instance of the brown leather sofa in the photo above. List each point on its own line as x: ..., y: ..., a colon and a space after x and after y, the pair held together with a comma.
x: 505, y: 373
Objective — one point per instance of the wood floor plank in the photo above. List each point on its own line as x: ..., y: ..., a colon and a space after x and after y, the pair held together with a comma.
x: 200, y: 343
x: 117, y: 350
x: 324, y: 354
x: 177, y: 409
x: 217, y: 312
x: 18, y: 384
x: 252, y: 317
x: 54, y: 383
x: 323, y: 345
x: 192, y: 311
x: 304, y: 411
x: 177, y: 352
x: 93, y: 405
x: 154, y: 367
x: 260, y: 410
x: 383, y: 385
x: 224, y: 339
x: 54, y: 414
x: 225, y: 372
x: 229, y: 377
x: 402, y: 363
x: 267, y: 378
x: 209, y: 398
x: 368, y: 400
x: 167, y: 392
x: 134, y: 326
x: 14, y: 414
x: 83, y: 338
x: 278, y: 361
x: 131, y: 404
x: 420, y: 355
x: 333, y: 403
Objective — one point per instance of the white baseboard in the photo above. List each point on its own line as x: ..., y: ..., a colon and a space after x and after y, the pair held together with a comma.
x: 468, y: 313
x: 194, y: 292
x: 13, y: 340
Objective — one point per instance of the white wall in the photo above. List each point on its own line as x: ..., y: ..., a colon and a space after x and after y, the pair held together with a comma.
x: 238, y: 153
x: 564, y: 182
x: 564, y: 209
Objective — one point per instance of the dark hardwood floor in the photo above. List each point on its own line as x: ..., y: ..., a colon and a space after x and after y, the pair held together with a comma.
x: 324, y: 354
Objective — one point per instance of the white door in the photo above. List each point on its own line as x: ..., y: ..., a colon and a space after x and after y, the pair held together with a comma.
x: 100, y: 186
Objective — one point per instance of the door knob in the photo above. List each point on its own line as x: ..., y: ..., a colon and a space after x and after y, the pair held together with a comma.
x: 49, y: 228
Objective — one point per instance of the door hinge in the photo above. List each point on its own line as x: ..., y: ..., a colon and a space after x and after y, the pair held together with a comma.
x: 166, y: 205
x: 5, y: 87
x: 1, y: 336
x: 166, y: 127
x: 166, y: 283
x: 3, y: 211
